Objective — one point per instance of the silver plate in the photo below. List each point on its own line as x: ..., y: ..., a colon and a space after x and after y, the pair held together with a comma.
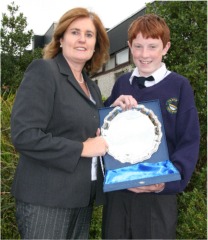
x: 132, y: 135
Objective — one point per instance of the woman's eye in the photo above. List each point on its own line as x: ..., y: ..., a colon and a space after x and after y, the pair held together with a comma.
x: 89, y: 35
x: 75, y: 32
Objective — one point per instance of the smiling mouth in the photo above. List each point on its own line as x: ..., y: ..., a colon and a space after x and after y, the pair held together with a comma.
x: 81, y: 49
x: 145, y: 62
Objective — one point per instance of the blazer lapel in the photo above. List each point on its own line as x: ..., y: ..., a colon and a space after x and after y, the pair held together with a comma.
x: 65, y: 70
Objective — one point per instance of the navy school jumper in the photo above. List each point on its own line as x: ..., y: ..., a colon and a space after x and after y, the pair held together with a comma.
x: 180, y: 119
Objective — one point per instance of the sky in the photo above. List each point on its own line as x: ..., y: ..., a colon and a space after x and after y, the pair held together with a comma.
x: 41, y: 14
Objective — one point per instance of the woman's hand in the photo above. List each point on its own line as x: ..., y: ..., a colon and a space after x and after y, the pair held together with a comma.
x: 96, y: 146
x: 147, y: 189
x: 125, y: 102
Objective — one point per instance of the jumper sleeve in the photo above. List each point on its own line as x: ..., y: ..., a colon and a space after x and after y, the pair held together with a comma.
x: 186, y: 154
x: 187, y: 140
x: 31, y: 114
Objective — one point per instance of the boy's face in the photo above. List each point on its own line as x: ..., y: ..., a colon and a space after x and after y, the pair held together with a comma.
x: 147, y: 54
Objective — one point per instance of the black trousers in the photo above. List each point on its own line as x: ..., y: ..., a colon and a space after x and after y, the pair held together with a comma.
x: 129, y: 215
x: 41, y: 222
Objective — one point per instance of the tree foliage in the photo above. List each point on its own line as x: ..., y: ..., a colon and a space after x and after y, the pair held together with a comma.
x: 187, y: 21
x: 14, y: 43
x: 14, y: 38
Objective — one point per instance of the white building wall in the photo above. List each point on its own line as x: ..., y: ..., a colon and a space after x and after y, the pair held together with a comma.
x: 106, y: 81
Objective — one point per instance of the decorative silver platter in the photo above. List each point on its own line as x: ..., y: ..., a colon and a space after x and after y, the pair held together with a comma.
x: 132, y: 135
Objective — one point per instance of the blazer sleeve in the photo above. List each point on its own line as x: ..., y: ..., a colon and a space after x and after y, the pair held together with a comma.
x: 31, y: 113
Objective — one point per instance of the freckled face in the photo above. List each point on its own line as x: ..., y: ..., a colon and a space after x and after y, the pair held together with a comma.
x: 147, y: 53
x: 78, y: 42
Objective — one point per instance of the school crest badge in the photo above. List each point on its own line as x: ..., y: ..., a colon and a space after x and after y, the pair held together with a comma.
x: 172, y: 105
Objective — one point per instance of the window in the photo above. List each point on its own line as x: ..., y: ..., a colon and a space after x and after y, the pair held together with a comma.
x: 110, y: 64
x: 122, y: 56
x: 100, y: 70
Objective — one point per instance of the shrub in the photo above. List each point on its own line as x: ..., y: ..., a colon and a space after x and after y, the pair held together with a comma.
x: 192, y: 215
x: 8, y: 164
x: 96, y: 223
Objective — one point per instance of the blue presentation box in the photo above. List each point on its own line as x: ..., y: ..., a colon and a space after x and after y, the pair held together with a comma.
x: 157, y: 169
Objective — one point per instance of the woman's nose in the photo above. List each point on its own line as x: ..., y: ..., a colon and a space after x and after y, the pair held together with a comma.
x: 82, y: 37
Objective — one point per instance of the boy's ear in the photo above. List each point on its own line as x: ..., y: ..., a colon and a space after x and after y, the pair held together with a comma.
x: 166, y: 48
x: 129, y: 44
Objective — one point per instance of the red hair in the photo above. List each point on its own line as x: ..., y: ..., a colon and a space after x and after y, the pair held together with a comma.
x: 150, y: 26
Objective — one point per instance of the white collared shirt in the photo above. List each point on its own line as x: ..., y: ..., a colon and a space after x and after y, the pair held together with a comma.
x: 158, y: 75
x: 94, y: 159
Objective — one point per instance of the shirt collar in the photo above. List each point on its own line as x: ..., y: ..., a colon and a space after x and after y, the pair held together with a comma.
x: 158, y: 75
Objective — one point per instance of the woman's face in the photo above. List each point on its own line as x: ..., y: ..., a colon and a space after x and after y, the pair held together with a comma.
x: 78, y: 42
x: 147, y: 54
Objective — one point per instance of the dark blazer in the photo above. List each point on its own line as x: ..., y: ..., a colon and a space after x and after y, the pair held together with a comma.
x: 51, y: 117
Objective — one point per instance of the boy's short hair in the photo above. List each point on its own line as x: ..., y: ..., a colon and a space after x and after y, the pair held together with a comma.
x: 150, y: 26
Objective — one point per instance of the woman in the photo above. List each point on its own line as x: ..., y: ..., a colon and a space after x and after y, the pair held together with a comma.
x: 54, y: 127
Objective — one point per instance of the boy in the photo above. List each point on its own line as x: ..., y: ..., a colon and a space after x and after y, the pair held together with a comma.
x: 150, y: 212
